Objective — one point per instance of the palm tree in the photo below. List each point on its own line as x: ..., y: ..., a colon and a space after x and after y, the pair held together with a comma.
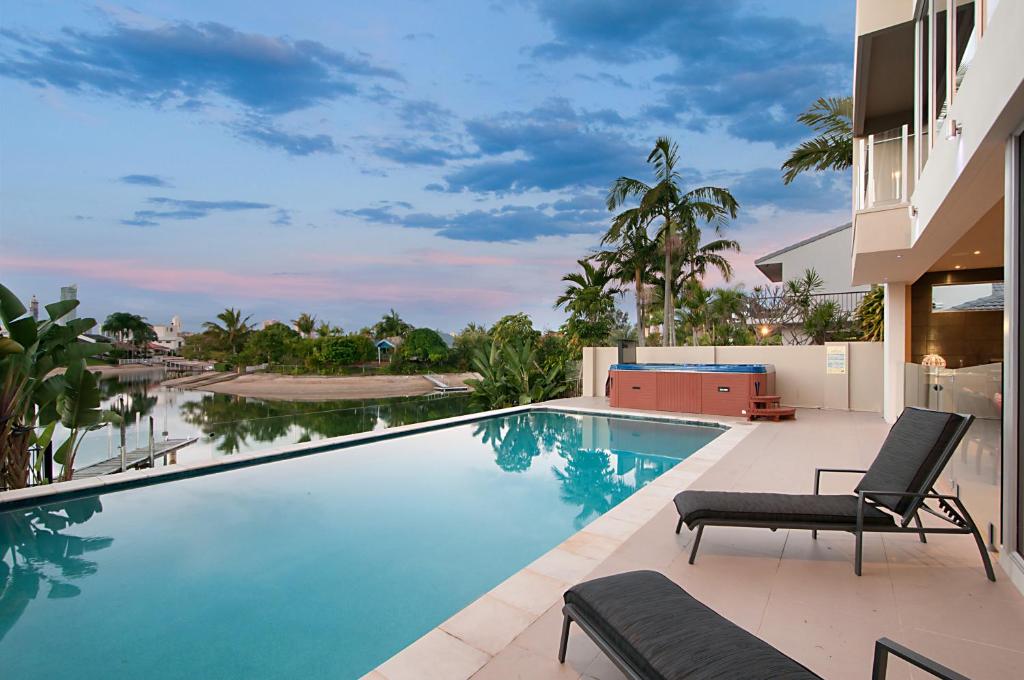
x: 129, y: 327
x: 633, y: 260
x: 305, y: 324
x: 693, y: 308
x: 232, y: 329
x: 589, y: 294
x: 728, y: 307
x: 832, y: 148
x: 666, y: 200
x: 391, y: 324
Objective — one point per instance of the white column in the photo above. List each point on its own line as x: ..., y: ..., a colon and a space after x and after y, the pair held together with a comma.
x: 895, y: 350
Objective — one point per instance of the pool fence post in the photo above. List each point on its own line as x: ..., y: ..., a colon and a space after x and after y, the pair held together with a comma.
x: 138, y: 429
x: 151, y: 441
x: 123, y: 446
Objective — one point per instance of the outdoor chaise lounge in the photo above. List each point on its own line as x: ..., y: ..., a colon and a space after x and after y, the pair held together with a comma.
x: 892, y: 493
x: 654, y: 630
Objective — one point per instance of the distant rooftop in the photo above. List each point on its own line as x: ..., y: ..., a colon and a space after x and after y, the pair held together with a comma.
x: 773, y: 270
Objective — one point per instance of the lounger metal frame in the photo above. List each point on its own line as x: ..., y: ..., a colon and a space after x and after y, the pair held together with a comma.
x: 950, y: 509
x: 571, y: 613
x: 884, y: 647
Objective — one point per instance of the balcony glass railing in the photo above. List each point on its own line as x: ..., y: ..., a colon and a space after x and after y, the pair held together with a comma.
x: 886, y: 173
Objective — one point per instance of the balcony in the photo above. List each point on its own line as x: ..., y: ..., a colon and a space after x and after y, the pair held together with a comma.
x: 886, y: 173
x: 884, y: 181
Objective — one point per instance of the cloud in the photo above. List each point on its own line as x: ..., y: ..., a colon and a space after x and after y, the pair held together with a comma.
x: 747, y: 71
x: 181, y: 209
x: 414, y: 154
x: 548, y: 148
x: 188, y: 64
x: 509, y: 223
x: 282, y: 218
x: 266, y: 133
x: 808, y: 193
x: 412, y: 37
x: 144, y: 180
x: 425, y: 115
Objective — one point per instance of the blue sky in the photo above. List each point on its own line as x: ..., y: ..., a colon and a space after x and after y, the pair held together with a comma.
x: 447, y: 159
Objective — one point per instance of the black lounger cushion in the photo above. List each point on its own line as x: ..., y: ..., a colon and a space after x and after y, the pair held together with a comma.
x: 666, y: 634
x: 786, y: 509
x: 914, y: 446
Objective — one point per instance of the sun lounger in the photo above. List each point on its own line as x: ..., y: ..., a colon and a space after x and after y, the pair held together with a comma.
x: 893, y: 492
x: 652, y: 629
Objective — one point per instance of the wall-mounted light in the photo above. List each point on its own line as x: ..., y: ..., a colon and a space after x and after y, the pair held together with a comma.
x: 765, y: 331
x: 953, y: 128
x: 956, y: 266
x: 977, y: 252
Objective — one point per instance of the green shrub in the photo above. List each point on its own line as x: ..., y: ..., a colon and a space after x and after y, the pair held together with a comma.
x: 342, y: 350
x: 423, y: 346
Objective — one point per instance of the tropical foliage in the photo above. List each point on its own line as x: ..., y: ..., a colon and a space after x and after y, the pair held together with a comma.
x: 305, y: 324
x: 391, y: 325
x: 589, y: 300
x: 832, y: 147
x: 232, y: 329
x: 512, y: 375
x: 423, y: 346
x: 44, y: 381
x: 871, y: 315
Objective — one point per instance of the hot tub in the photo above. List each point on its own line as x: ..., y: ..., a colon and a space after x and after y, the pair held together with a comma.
x: 715, y: 389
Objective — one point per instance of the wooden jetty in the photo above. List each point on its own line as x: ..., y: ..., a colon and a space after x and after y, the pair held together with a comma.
x: 138, y: 458
x: 440, y: 386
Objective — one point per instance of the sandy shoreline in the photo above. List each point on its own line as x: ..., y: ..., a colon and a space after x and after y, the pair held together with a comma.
x: 327, y: 388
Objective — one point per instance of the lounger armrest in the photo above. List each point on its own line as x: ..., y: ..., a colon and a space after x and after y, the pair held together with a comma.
x: 818, y: 471
x: 884, y: 647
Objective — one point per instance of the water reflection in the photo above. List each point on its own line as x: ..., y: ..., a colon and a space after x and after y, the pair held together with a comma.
x: 591, y: 478
x: 35, y: 555
x: 228, y: 424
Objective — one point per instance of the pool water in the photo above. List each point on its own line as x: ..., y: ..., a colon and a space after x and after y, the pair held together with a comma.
x: 319, y: 566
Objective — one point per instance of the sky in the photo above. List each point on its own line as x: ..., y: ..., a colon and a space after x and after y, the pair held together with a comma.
x: 446, y: 159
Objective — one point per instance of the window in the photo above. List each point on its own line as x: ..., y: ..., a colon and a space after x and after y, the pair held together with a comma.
x: 967, y: 297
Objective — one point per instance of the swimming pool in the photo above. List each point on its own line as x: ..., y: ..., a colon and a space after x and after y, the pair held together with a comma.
x: 316, y: 566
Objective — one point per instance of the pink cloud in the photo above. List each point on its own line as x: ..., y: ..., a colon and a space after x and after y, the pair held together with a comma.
x: 274, y: 286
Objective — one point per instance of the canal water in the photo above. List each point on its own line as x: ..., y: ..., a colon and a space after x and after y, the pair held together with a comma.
x: 227, y: 424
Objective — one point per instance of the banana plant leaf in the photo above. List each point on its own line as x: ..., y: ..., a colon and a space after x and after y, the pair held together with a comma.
x: 10, y: 306
x: 8, y: 346
x: 78, y: 404
x: 58, y: 309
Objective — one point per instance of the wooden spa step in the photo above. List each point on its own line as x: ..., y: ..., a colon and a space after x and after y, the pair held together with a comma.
x: 776, y: 413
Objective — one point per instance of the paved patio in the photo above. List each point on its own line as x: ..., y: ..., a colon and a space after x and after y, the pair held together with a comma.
x: 795, y: 593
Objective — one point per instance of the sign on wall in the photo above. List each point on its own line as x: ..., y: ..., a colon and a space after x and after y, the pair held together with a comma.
x: 835, y: 359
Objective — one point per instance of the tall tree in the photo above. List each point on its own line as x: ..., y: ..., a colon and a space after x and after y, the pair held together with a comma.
x: 590, y: 291
x: 632, y: 260
x: 233, y: 328
x: 391, y: 324
x: 305, y: 324
x: 589, y: 299
x: 666, y: 200
x: 832, y: 147
x: 128, y: 327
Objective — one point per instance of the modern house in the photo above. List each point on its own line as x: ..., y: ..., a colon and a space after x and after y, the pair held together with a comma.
x: 169, y: 336
x: 937, y: 188
x: 827, y: 253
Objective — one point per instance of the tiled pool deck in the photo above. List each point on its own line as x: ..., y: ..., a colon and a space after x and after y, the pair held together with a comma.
x: 799, y: 595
